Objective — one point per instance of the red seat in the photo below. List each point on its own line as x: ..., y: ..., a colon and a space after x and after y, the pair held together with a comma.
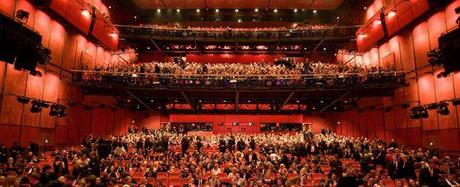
x: 174, y: 175
x: 162, y: 175
x: 388, y: 182
x: 174, y: 182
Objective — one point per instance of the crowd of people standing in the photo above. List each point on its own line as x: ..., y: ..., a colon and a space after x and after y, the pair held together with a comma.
x: 306, y: 74
x: 322, y: 159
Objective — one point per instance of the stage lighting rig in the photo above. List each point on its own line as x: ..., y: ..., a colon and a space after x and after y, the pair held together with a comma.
x: 36, y: 106
x: 418, y: 112
x: 22, y: 15
x: 23, y: 99
x: 443, y: 108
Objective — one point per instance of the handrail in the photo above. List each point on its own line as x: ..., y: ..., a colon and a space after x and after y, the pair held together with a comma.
x: 152, y: 27
x: 237, y: 76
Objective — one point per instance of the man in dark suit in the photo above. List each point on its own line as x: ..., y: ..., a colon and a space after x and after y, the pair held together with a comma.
x: 250, y: 156
x: 428, y: 176
x: 185, y: 144
x: 240, y: 145
x: 222, y: 146
x: 393, y: 167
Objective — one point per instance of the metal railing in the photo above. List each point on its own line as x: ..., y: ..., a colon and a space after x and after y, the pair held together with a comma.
x: 333, y: 31
x: 134, y: 79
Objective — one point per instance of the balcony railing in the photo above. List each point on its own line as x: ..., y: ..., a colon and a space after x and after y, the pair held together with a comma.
x: 222, y: 81
x: 335, y: 32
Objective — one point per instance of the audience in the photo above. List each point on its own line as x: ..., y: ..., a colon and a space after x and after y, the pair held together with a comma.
x: 287, y: 73
x: 301, y: 30
x: 142, y: 155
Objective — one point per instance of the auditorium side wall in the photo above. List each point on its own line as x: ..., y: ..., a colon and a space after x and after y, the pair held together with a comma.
x: 69, y: 50
x: 408, y: 51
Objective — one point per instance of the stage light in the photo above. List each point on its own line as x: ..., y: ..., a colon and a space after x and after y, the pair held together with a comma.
x: 22, y: 15
x: 415, y: 113
x: 217, y: 10
x: 22, y: 99
x: 391, y: 14
x: 54, y: 110
x: 85, y: 13
x: 443, y: 108
x: 424, y: 113
x: 236, y: 10
x: 295, y: 10
x: 158, y: 10
x: 256, y: 10
x: 198, y: 10
x: 36, y: 106
x: 275, y: 11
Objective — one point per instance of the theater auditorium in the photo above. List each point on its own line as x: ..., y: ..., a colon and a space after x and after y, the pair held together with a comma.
x: 237, y: 93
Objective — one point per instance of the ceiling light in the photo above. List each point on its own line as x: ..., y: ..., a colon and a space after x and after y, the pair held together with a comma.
x: 275, y: 11
x: 135, y: 17
x: 158, y: 10
x: 365, y: 8
x: 148, y: 48
x: 178, y: 10
x: 198, y: 10
x: 392, y: 14
x: 239, y: 20
x: 110, y: 7
x: 338, y: 17
x: 295, y: 10
x: 256, y: 10
x: 236, y: 10
x: 315, y: 11
x: 324, y: 49
x: 217, y: 10
x: 85, y: 13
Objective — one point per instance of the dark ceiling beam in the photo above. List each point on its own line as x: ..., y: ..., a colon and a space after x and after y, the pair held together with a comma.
x: 156, y: 45
x: 335, y: 101
x: 237, y: 99
x: 187, y: 99
x: 139, y: 100
x: 286, y: 101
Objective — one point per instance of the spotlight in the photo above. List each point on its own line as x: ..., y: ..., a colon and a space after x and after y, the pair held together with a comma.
x: 432, y: 106
x: 23, y: 100
x: 415, y: 113
x: 36, y: 107
x: 22, y: 15
x: 456, y: 101
x: 443, y: 108
x: 85, y: 13
x: 423, y: 112
x: 54, y: 110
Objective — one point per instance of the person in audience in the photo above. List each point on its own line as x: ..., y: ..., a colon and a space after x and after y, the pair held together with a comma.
x: 324, y: 159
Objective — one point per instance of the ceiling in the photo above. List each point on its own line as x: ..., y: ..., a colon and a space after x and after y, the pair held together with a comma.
x: 241, y: 4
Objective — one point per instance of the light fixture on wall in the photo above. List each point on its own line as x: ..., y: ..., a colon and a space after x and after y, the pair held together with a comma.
x: 22, y: 99
x: 443, y: 108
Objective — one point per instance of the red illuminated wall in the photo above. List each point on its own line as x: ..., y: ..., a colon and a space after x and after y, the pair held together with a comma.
x: 389, y: 120
x: 232, y: 58
x: 317, y: 122
x: 69, y: 50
